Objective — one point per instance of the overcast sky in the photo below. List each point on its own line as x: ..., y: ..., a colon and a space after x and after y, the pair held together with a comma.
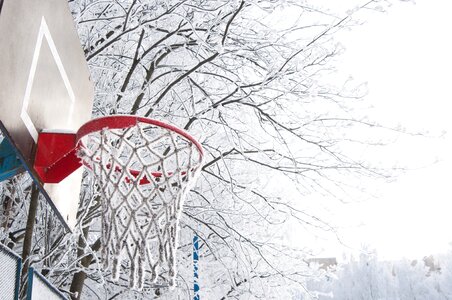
x: 406, y: 57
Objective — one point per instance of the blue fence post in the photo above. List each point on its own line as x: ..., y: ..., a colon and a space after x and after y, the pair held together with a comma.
x: 195, y: 268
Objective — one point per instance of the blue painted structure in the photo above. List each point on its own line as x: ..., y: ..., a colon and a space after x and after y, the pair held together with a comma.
x: 10, y: 164
x: 195, y: 268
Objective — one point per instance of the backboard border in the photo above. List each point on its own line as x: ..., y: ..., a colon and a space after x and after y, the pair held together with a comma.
x: 43, y: 35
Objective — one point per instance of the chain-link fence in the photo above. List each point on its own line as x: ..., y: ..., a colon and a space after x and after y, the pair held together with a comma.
x: 40, y: 289
x: 10, y: 268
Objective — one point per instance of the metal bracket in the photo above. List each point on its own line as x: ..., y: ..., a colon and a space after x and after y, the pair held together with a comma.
x: 34, y: 176
x: 56, y: 156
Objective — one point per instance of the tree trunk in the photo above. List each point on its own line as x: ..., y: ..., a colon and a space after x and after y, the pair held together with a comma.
x: 79, y: 278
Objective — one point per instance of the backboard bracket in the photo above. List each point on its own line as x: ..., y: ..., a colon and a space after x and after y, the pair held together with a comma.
x: 56, y: 156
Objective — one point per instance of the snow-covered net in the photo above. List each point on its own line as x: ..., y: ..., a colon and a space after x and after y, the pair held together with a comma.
x: 143, y: 172
x: 40, y: 289
x: 10, y: 266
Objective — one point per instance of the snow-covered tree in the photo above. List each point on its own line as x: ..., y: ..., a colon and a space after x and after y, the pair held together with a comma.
x: 371, y: 278
x: 251, y: 80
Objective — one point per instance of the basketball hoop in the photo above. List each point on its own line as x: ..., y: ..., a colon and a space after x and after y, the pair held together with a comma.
x: 143, y: 168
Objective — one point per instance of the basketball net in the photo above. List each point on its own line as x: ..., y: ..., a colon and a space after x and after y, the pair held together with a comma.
x: 143, y: 173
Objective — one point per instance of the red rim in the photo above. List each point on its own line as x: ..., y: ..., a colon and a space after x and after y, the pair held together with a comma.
x: 125, y: 121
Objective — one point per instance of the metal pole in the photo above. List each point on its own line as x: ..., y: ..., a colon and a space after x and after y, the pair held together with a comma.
x: 28, y: 238
x: 195, y: 268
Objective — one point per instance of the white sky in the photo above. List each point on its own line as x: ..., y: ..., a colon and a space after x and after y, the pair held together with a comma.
x: 406, y: 57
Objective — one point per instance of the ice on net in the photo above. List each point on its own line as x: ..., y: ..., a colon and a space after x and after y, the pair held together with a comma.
x: 143, y: 173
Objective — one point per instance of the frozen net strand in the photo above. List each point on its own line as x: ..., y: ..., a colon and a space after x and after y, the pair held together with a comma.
x: 143, y: 173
